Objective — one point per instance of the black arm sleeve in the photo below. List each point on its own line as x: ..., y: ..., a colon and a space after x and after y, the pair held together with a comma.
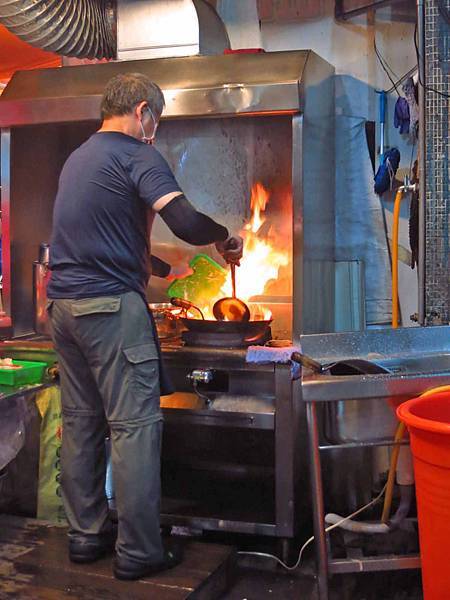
x: 159, y: 267
x: 190, y: 225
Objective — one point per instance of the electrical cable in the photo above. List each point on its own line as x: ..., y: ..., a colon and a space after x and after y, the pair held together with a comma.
x: 409, y: 73
x: 306, y: 544
x: 383, y: 60
x: 385, y: 66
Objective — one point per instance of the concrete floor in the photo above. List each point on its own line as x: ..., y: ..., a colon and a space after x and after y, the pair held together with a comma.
x: 259, y: 578
x: 262, y: 584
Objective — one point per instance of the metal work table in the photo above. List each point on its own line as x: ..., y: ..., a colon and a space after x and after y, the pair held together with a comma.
x: 413, y: 374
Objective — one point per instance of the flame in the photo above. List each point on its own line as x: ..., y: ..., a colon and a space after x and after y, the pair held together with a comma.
x: 261, y: 260
x: 258, y: 201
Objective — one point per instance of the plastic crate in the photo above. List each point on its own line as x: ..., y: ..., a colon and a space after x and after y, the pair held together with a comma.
x: 31, y: 372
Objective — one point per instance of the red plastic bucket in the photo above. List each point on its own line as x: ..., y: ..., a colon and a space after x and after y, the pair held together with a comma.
x: 428, y: 421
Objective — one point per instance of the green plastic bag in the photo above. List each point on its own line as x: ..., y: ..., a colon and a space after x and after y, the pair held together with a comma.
x: 50, y: 506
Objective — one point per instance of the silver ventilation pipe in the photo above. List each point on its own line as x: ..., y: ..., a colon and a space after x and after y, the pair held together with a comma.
x: 81, y: 28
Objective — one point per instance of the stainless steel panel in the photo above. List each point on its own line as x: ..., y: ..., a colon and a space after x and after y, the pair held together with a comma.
x: 379, y: 344
x: 156, y: 29
x: 165, y: 28
x: 356, y: 421
x: 349, y: 296
x: 313, y: 192
x: 193, y: 86
x: 213, y: 34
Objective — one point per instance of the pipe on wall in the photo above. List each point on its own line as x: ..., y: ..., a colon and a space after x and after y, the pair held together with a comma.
x: 422, y: 157
x: 80, y: 28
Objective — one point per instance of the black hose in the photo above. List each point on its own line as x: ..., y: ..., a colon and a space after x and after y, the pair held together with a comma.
x: 80, y: 28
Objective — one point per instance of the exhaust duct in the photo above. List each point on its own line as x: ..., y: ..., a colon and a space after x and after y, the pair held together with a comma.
x: 117, y: 29
x: 80, y: 28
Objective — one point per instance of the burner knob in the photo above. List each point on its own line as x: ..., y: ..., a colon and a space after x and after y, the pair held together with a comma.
x: 200, y: 376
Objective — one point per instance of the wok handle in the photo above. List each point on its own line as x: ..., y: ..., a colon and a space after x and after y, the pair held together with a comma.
x: 307, y: 361
x: 186, y: 305
x: 233, y: 279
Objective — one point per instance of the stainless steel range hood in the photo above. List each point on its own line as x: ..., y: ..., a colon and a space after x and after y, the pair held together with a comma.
x: 230, y: 121
x: 276, y: 82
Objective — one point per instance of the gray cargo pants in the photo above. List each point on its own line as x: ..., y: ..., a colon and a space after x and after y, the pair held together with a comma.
x: 109, y: 375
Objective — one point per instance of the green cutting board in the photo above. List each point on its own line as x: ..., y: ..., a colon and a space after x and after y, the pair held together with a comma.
x: 203, y: 284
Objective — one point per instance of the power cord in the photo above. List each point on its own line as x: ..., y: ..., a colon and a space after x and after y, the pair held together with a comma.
x: 306, y: 544
x: 385, y: 67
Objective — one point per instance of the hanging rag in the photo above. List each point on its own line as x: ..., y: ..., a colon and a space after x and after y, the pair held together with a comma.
x: 385, y: 175
x: 401, y: 115
x: 409, y: 90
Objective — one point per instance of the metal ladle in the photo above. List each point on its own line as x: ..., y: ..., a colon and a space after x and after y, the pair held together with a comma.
x: 231, y: 309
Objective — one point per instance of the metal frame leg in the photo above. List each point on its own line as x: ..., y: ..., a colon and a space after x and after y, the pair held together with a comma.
x: 317, y: 501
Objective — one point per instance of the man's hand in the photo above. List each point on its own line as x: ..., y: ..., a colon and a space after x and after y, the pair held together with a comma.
x: 231, y: 249
x: 179, y: 271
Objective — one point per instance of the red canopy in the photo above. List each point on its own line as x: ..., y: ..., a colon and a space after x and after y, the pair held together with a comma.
x: 15, y: 55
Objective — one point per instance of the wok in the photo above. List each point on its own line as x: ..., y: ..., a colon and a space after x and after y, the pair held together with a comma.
x: 245, y: 328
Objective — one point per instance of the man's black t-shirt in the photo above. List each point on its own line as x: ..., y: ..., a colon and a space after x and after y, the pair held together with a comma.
x: 100, y: 243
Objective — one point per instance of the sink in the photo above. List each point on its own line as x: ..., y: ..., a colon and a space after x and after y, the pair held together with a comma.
x: 374, y: 419
x: 431, y: 363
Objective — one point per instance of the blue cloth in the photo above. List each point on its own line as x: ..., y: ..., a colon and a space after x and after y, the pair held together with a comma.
x: 100, y: 241
x: 401, y: 115
x: 386, y: 171
x: 267, y: 354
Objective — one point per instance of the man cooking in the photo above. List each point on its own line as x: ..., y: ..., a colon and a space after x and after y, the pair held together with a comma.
x: 109, y: 191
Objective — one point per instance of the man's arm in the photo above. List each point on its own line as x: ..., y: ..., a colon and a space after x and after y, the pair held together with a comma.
x: 159, y: 267
x: 196, y: 228
x: 162, y: 269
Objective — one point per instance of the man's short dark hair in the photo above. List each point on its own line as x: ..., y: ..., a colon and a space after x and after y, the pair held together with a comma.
x: 123, y: 92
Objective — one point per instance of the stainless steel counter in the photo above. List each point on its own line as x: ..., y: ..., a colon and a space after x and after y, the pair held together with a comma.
x: 418, y: 357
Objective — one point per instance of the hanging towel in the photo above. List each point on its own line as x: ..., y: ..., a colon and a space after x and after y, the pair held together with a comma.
x: 410, y: 94
x: 401, y: 115
x: 266, y: 354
